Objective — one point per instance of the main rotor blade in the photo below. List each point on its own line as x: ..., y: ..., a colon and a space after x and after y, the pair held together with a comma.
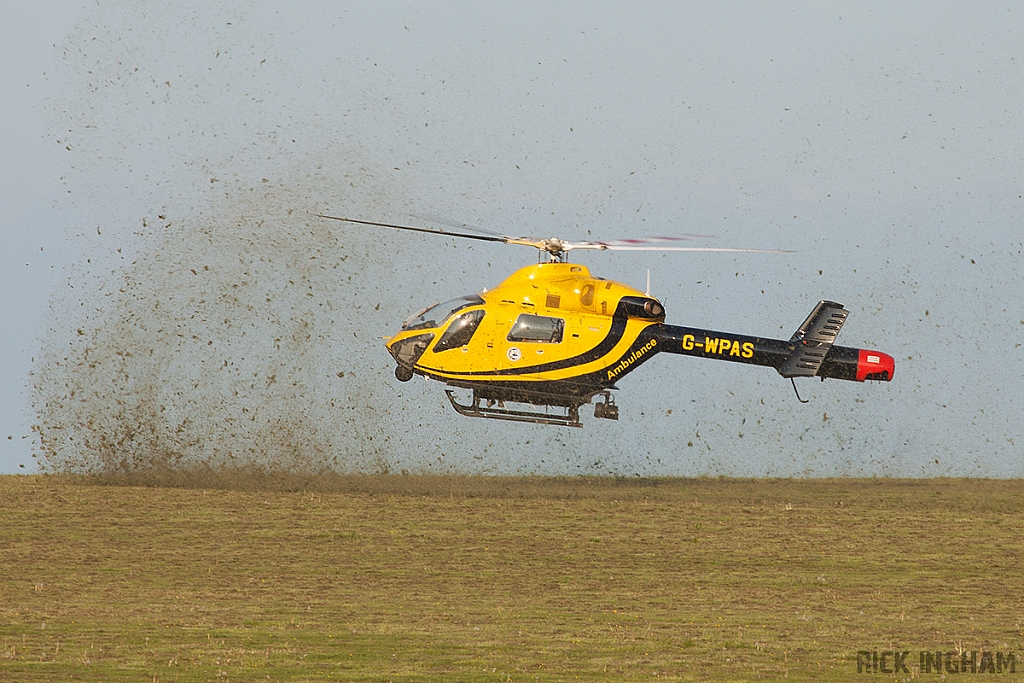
x: 557, y: 246
x: 448, y: 233
x: 436, y: 220
x: 617, y: 247
x: 634, y: 241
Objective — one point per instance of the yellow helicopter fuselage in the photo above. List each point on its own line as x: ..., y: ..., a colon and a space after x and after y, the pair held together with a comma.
x: 549, y: 328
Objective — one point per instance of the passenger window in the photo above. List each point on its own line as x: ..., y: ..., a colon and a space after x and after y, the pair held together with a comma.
x: 460, y: 331
x: 537, y: 328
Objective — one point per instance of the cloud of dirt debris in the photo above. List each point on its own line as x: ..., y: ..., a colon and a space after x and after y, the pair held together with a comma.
x: 231, y: 339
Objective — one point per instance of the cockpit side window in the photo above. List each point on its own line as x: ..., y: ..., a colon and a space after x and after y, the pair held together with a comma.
x: 434, y: 316
x: 537, y: 328
x: 460, y: 331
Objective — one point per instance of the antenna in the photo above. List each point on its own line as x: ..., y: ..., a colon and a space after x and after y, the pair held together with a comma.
x: 648, y: 292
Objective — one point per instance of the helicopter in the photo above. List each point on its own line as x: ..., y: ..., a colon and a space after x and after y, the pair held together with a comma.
x: 551, y: 337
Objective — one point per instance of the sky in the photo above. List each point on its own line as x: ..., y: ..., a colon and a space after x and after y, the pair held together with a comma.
x: 170, y: 299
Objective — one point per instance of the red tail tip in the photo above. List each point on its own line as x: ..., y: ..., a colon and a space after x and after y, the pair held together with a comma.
x: 875, y: 365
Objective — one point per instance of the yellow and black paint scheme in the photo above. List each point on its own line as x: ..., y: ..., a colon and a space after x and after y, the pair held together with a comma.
x: 553, y: 335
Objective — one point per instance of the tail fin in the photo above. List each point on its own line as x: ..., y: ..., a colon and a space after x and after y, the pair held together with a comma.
x: 813, y: 339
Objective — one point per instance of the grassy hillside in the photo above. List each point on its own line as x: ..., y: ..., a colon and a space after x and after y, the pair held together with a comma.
x: 393, y: 578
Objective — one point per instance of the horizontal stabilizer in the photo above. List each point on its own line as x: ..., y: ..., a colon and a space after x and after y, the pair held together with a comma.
x: 813, y: 339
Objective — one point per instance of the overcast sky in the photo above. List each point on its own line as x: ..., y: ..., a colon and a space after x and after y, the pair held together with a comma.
x: 159, y: 161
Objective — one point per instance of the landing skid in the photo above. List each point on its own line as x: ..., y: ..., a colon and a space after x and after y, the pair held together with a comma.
x: 495, y: 410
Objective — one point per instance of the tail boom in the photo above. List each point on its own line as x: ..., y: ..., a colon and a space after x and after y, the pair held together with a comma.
x: 841, y: 362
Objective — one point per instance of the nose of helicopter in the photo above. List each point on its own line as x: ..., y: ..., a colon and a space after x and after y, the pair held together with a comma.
x: 407, y: 349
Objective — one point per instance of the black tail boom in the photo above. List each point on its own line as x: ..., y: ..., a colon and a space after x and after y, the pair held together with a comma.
x: 839, y: 362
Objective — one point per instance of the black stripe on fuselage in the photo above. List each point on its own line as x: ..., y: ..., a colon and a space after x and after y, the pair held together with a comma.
x: 579, y: 386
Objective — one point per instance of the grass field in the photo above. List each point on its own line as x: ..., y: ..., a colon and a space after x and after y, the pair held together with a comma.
x: 410, y: 578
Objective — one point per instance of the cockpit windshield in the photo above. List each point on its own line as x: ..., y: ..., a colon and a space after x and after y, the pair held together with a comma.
x: 434, y: 316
